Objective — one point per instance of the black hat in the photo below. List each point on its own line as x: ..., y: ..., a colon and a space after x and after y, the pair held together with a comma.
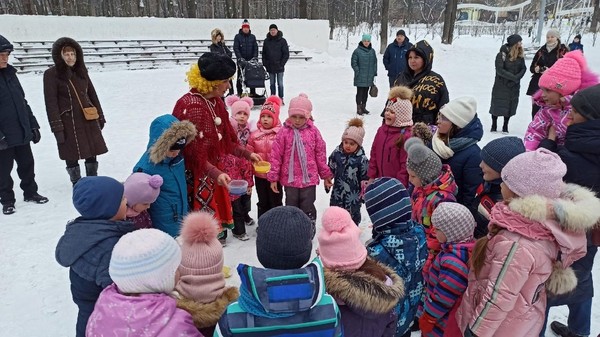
x: 514, y: 39
x: 284, y: 240
x: 179, y: 144
x: 586, y: 101
x: 578, y: 37
x: 5, y: 45
x: 273, y: 26
x: 216, y: 67
x: 401, y: 32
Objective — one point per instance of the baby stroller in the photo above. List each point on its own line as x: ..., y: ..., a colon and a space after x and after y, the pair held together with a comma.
x: 254, y: 76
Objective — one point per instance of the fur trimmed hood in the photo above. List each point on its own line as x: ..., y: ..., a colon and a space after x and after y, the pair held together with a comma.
x: 364, y: 292
x: 164, y: 132
x: 207, y: 314
x: 61, y: 67
x: 216, y: 32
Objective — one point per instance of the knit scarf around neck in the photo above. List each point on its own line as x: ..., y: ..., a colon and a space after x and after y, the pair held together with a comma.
x: 550, y: 47
x: 298, y: 146
x: 454, y: 145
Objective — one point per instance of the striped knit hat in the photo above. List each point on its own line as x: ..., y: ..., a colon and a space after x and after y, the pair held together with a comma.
x: 388, y: 203
x: 145, y: 261
x: 454, y: 220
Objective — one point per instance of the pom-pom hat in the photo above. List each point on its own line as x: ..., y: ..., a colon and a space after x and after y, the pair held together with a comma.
x: 355, y: 131
x: 245, y: 24
x: 239, y: 105
x: 399, y: 102
x: 300, y: 105
x: 339, y: 241
x: 422, y: 161
x: 564, y: 76
x: 142, y: 188
x: 272, y: 108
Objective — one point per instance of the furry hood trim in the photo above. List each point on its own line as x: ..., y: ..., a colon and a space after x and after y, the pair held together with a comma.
x: 158, y: 151
x: 207, y: 314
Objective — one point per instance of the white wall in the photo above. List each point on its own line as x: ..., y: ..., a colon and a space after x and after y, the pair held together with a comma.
x: 311, y: 34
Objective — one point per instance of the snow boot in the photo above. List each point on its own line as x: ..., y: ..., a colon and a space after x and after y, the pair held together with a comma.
x: 359, y: 110
x: 74, y: 174
x: 8, y: 209
x: 561, y: 330
x: 364, y: 109
x: 36, y: 198
x: 91, y: 169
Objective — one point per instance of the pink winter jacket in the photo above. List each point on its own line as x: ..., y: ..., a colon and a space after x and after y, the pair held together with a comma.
x: 239, y: 168
x: 557, y: 116
x: 387, y: 159
x: 508, y: 297
x: 316, y: 156
x: 261, y: 143
x: 142, y: 315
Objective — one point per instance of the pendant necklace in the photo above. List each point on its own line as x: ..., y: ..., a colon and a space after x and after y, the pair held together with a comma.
x: 216, y: 119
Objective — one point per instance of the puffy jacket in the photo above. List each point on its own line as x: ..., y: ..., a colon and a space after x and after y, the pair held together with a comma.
x: 220, y: 48
x: 507, y: 85
x: 316, y: 157
x: 239, y: 168
x: 557, y: 116
x: 364, y: 64
x: 544, y: 59
x: 206, y: 315
x: 261, y: 143
x: 142, y: 315
x: 245, y: 46
x: 575, y: 46
x: 349, y: 171
x: 16, y: 117
x: 508, y: 297
x: 275, y: 53
x: 394, y: 57
x: 386, y: 158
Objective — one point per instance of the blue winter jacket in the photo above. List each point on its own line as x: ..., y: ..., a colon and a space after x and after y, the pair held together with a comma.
x: 575, y: 46
x: 245, y: 46
x: 394, y: 58
x: 171, y: 206
x: 348, y: 170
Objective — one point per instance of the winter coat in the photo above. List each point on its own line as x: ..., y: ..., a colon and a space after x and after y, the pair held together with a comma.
x: 581, y: 154
x: 429, y: 88
x: 86, y: 248
x: 404, y: 249
x: 388, y: 159
x: 142, y: 220
x: 488, y: 194
x: 206, y: 315
x: 557, y: 116
x: 349, y: 171
x: 366, y: 303
x: 316, y: 156
x: 245, y: 46
x: 282, y: 303
x: 445, y: 284
x: 275, y: 53
x: 171, y: 206
x: 575, y: 46
x: 219, y: 47
x: 239, y: 168
x: 261, y: 142
x: 16, y: 118
x: 544, y: 59
x: 394, y: 57
x: 507, y: 85
x: 528, y: 256
x: 364, y: 64
x: 82, y: 138
x: 139, y: 315
x: 424, y: 200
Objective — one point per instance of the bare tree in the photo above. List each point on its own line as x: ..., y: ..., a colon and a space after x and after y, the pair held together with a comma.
x: 245, y: 9
x: 385, y: 7
x: 595, y: 17
x: 449, y: 20
x: 303, y: 9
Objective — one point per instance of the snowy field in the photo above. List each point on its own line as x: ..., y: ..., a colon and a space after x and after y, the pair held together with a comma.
x: 34, y: 289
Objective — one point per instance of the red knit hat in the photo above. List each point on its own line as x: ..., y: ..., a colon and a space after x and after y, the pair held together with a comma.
x: 564, y: 76
x: 271, y: 107
x: 339, y: 241
x: 246, y: 24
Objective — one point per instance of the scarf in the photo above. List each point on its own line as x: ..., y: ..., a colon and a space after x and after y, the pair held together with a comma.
x: 298, y: 146
x: 550, y: 47
x: 454, y: 145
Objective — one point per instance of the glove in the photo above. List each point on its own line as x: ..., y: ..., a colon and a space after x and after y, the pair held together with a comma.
x: 36, y: 136
x: 60, y: 137
x: 101, y: 123
x: 426, y: 323
x: 3, y: 144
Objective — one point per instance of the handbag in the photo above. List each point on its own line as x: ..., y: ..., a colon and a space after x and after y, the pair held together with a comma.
x: 373, y: 91
x: 90, y: 113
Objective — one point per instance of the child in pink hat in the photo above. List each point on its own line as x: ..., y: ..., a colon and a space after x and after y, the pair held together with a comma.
x: 365, y: 290
x: 557, y: 85
x: 141, y: 190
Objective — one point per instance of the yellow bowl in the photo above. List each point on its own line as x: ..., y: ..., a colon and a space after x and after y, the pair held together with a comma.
x: 262, y: 167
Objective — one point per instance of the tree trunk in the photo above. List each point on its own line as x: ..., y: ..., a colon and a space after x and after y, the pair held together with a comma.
x: 596, y: 17
x: 331, y: 17
x: 385, y: 8
x: 191, y: 8
x: 303, y: 9
x: 245, y: 9
x: 449, y: 20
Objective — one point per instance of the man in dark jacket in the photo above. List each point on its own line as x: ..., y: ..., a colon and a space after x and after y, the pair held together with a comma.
x: 394, y: 58
x: 275, y: 54
x: 245, y: 48
x: 18, y: 127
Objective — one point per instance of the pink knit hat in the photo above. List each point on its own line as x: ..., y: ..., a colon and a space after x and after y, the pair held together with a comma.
x: 399, y: 102
x: 238, y: 104
x: 538, y: 172
x: 339, y: 241
x: 564, y: 76
x: 272, y: 107
x: 300, y: 105
x: 201, y: 268
x: 142, y: 188
x: 355, y: 131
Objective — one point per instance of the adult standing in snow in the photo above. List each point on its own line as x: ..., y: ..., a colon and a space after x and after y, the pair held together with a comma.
x: 245, y: 48
x: 510, y: 68
x: 218, y: 46
x: 275, y: 54
x: 73, y: 109
x: 429, y: 88
x: 18, y: 127
x: 394, y: 58
x: 544, y: 58
x: 364, y: 64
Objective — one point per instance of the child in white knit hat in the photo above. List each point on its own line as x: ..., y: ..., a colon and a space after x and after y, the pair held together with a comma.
x: 143, y: 266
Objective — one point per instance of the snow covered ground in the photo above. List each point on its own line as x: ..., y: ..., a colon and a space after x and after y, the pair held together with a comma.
x: 34, y: 289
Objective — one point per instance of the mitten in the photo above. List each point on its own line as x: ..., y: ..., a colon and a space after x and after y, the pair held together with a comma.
x: 426, y: 323
x: 60, y: 137
x: 36, y: 136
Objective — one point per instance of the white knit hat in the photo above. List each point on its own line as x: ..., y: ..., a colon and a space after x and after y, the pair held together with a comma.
x: 145, y: 261
x: 460, y: 111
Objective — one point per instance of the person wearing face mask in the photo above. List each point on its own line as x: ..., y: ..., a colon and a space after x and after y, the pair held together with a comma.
x: 74, y: 112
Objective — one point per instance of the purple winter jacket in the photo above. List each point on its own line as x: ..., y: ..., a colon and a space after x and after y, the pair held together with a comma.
x: 316, y: 156
x: 387, y: 159
x: 142, y: 315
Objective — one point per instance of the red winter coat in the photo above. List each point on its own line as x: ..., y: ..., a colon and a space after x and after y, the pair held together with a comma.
x: 386, y: 158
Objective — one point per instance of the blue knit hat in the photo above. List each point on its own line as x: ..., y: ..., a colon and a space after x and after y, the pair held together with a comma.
x: 497, y: 153
x: 388, y: 203
x: 97, y: 197
x: 366, y: 37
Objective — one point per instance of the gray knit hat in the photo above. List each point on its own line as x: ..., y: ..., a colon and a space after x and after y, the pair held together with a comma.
x: 284, y: 238
x: 421, y: 160
x: 454, y: 220
x: 497, y: 153
x: 586, y: 101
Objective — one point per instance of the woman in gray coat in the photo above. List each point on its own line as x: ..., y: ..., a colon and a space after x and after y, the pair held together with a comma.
x: 364, y: 64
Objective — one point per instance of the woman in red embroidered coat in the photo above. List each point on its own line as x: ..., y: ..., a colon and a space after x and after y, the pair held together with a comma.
x: 203, y: 106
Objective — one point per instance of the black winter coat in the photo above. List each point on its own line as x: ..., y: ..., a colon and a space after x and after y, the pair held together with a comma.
x: 220, y: 48
x: 507, y: 85
x: 16, y: 117
x: 275, y: 53
x: 245, y: 46
x: 544, y: 59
